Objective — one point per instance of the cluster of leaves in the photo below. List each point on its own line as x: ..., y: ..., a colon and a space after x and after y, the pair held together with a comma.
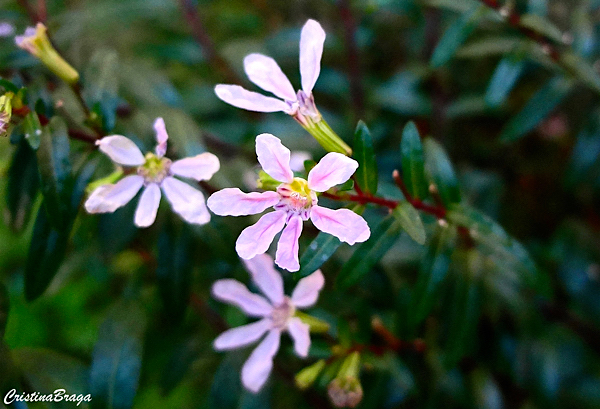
x: 444, y: 306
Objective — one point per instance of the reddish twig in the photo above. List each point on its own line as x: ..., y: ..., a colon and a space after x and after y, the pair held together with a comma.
x: 438, y: 211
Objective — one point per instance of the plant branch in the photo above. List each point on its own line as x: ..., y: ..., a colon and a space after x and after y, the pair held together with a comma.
x: 438, y: 211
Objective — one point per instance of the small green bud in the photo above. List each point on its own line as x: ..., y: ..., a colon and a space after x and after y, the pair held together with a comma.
x: 306, y: 377
x: 345, y: 392
x: 266, y: 182
x: 112, y: 178
x: 5, y: 113
x: 317, y: 326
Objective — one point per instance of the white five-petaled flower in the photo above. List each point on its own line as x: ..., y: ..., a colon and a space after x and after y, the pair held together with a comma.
x: 277, y: 315
x: 294, y: 201
x: 264, y: 72
x: 153, y: 172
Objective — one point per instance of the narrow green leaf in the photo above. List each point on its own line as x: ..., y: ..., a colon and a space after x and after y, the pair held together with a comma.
x: 370, y: 252
x: 441, y: 172
x: 541, y: 25
x: 413, y: 168
x: 492, y: 239
x: 434, y: 266
x: 366, y: 174
x: 8, y: 86
x: 505, y: 76
x: 317, y: 253
x: 174, y: 271
x: 537, y: 108
x: 46, y: 252
x: 464, y: 311
x: 490, y: 46
x: 117, y: 357
x: 55, y: 168
x: 411, y: 222
x: 582, y: 70
x: 22, y: 187
x: 32, y: 129
x: 455, y: 36
x: 179, y: 364
x: 48, y: 243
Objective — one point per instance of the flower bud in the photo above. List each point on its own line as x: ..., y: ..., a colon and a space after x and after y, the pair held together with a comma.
x: 36, y: 42
x: 345, y: 391
x: 322, y: 132
x: 5, y: 113
x: 306, y: 377
x: 317, y: 326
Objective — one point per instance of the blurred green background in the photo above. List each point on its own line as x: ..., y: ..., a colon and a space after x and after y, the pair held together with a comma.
x: 513, y: 101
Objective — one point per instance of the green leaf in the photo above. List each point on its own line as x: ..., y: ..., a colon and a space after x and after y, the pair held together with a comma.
x: 541, y: 26
x: 32, y: 129
x: 505, y: 76
x: 581, y: 69
x: 8, y: 86
x: 410, y: 220
x: 117, y: 357
x: 490, y: 46
x: 433, y: 270
x: 413, y: 168
x: 174, y: 271
x: 48, y: 243
x: 491, y: 239
x: 317, y: 253
x: 366, y: 174
x: 537, y: 108
x: 464, y: 311
x: 440, y: 171
x: 46, y: 370
x: 55, y: 169
x: 46, y: 252
x: 22, y: 187
x: 455, y: 36
x: 370, y: 252
x: 101, y: 84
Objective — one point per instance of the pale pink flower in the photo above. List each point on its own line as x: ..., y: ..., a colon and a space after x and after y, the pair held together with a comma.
x: 294, y: 201
x: 153, y: 172
x: 265, y: 73
x: 276, y: 313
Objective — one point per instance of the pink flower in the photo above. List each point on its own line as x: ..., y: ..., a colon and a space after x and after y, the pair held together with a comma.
x: 276, y: 313
x: 264, y: 72
x: 294, y: 201
x: 153, y: 172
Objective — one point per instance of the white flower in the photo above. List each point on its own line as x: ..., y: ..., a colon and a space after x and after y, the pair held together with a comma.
x: 264, y: 72
x: 276, y: 313
x: 153, y: 172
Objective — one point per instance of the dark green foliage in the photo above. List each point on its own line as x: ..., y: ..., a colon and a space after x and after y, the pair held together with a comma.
x: 366, y: 174
x: 413, y: 163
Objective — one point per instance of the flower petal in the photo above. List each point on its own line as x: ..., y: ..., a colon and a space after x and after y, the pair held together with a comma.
x: 342, y: 223
x: 274, y: 157
x: 121, y: 150
x: 186, y: 201
x: 264, y: 72
x: 333, y: 169
x: 199, y: 167
x: 234, y: 202
x: 307, y: 290
x: 242, y: 336
x: 145, y: 213
x: 312, y: 39
x: 108, y: 198
x: 161, y: 137
x: 287, y: 248
x: 252, y: 101
x: 235, y: 293
x: 257, y: 368
x: 257, y: 238
x: 300, y: 333
x: 265, y: 276
x: 297, y: 160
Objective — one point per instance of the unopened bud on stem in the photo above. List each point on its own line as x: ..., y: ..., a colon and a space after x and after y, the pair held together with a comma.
x: 345, y: 391
x: 36, y: 42
x: 5, y: 113
x: 306, y: 377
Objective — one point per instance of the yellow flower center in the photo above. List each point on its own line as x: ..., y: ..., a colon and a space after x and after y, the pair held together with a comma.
x: 155, y: 169
x: 296, y: 197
